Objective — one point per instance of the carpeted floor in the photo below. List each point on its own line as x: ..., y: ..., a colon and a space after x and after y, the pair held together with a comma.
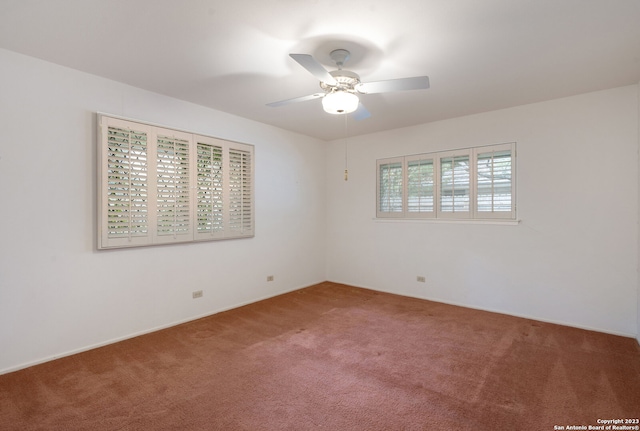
x: 334, y: 357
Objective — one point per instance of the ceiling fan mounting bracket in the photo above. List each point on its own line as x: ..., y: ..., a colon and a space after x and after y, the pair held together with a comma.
x: 340, y: 57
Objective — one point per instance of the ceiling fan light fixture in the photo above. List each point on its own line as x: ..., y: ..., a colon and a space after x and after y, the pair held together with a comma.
x: 340, y: 102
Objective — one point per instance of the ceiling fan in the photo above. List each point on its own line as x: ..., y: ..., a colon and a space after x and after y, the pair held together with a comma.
x: 341, y: 87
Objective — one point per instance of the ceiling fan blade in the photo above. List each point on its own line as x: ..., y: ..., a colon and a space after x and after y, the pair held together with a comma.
x: 316, y: 69
x: 361, y: 113
x: 402, y: 84
x: 295, y: 100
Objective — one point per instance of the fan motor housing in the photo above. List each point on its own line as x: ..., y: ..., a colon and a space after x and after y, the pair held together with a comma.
x: 347, y: 80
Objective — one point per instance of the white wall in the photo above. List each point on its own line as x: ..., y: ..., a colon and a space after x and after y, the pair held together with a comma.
x: 573, y: 258
x: 57, y: 294
x: 567, y: 261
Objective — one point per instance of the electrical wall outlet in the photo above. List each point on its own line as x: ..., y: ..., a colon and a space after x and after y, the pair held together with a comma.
x: 269, y: 277
x: 197, y: 294
x: 421, y: 279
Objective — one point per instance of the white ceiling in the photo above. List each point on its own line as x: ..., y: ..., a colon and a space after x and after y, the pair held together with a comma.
x: 232, y: 55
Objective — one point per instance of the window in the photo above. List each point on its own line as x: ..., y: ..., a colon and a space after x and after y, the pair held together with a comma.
x: 494, y: 181
x: 390, y: 187
x: 420, y: 186
x: 471, y: 183
x: 209, y: 188
x: 160, y: 186
x: 455, y: 185
x: 173, y: 186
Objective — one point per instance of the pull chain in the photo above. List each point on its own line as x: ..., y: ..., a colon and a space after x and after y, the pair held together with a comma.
x: 346, y: 144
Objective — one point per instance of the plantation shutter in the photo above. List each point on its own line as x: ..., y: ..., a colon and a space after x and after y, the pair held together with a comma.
x: 420, y: 187
x: 159, y: 185
x: 455, y: 186
x: 240, y: 191
x: 390, y: 188
x: 494, y: 182
x: 173, y: 192
x: 124, y: 209
x: 209, y: 189
x: 470, y: 183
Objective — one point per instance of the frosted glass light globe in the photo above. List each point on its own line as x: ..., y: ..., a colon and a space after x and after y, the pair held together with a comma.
x: 340, y: 102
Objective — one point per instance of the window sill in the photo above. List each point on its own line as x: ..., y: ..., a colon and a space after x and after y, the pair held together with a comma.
x: 503, y: 222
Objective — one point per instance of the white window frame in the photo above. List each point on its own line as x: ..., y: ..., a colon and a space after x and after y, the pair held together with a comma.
x: 453, y: 214
x: 407, y: 208
x: 214, y: 227
x: 492, y: 215
x: 179, y: 198
x: 438, y: 213
x: 383, y: 212
x: 163, y: 230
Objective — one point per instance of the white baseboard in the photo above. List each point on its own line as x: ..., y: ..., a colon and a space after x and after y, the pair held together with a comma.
x: 524, y: 316
x: 146, y: 331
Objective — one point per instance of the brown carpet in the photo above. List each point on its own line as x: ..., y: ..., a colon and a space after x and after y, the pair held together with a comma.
x: 334, y: 357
